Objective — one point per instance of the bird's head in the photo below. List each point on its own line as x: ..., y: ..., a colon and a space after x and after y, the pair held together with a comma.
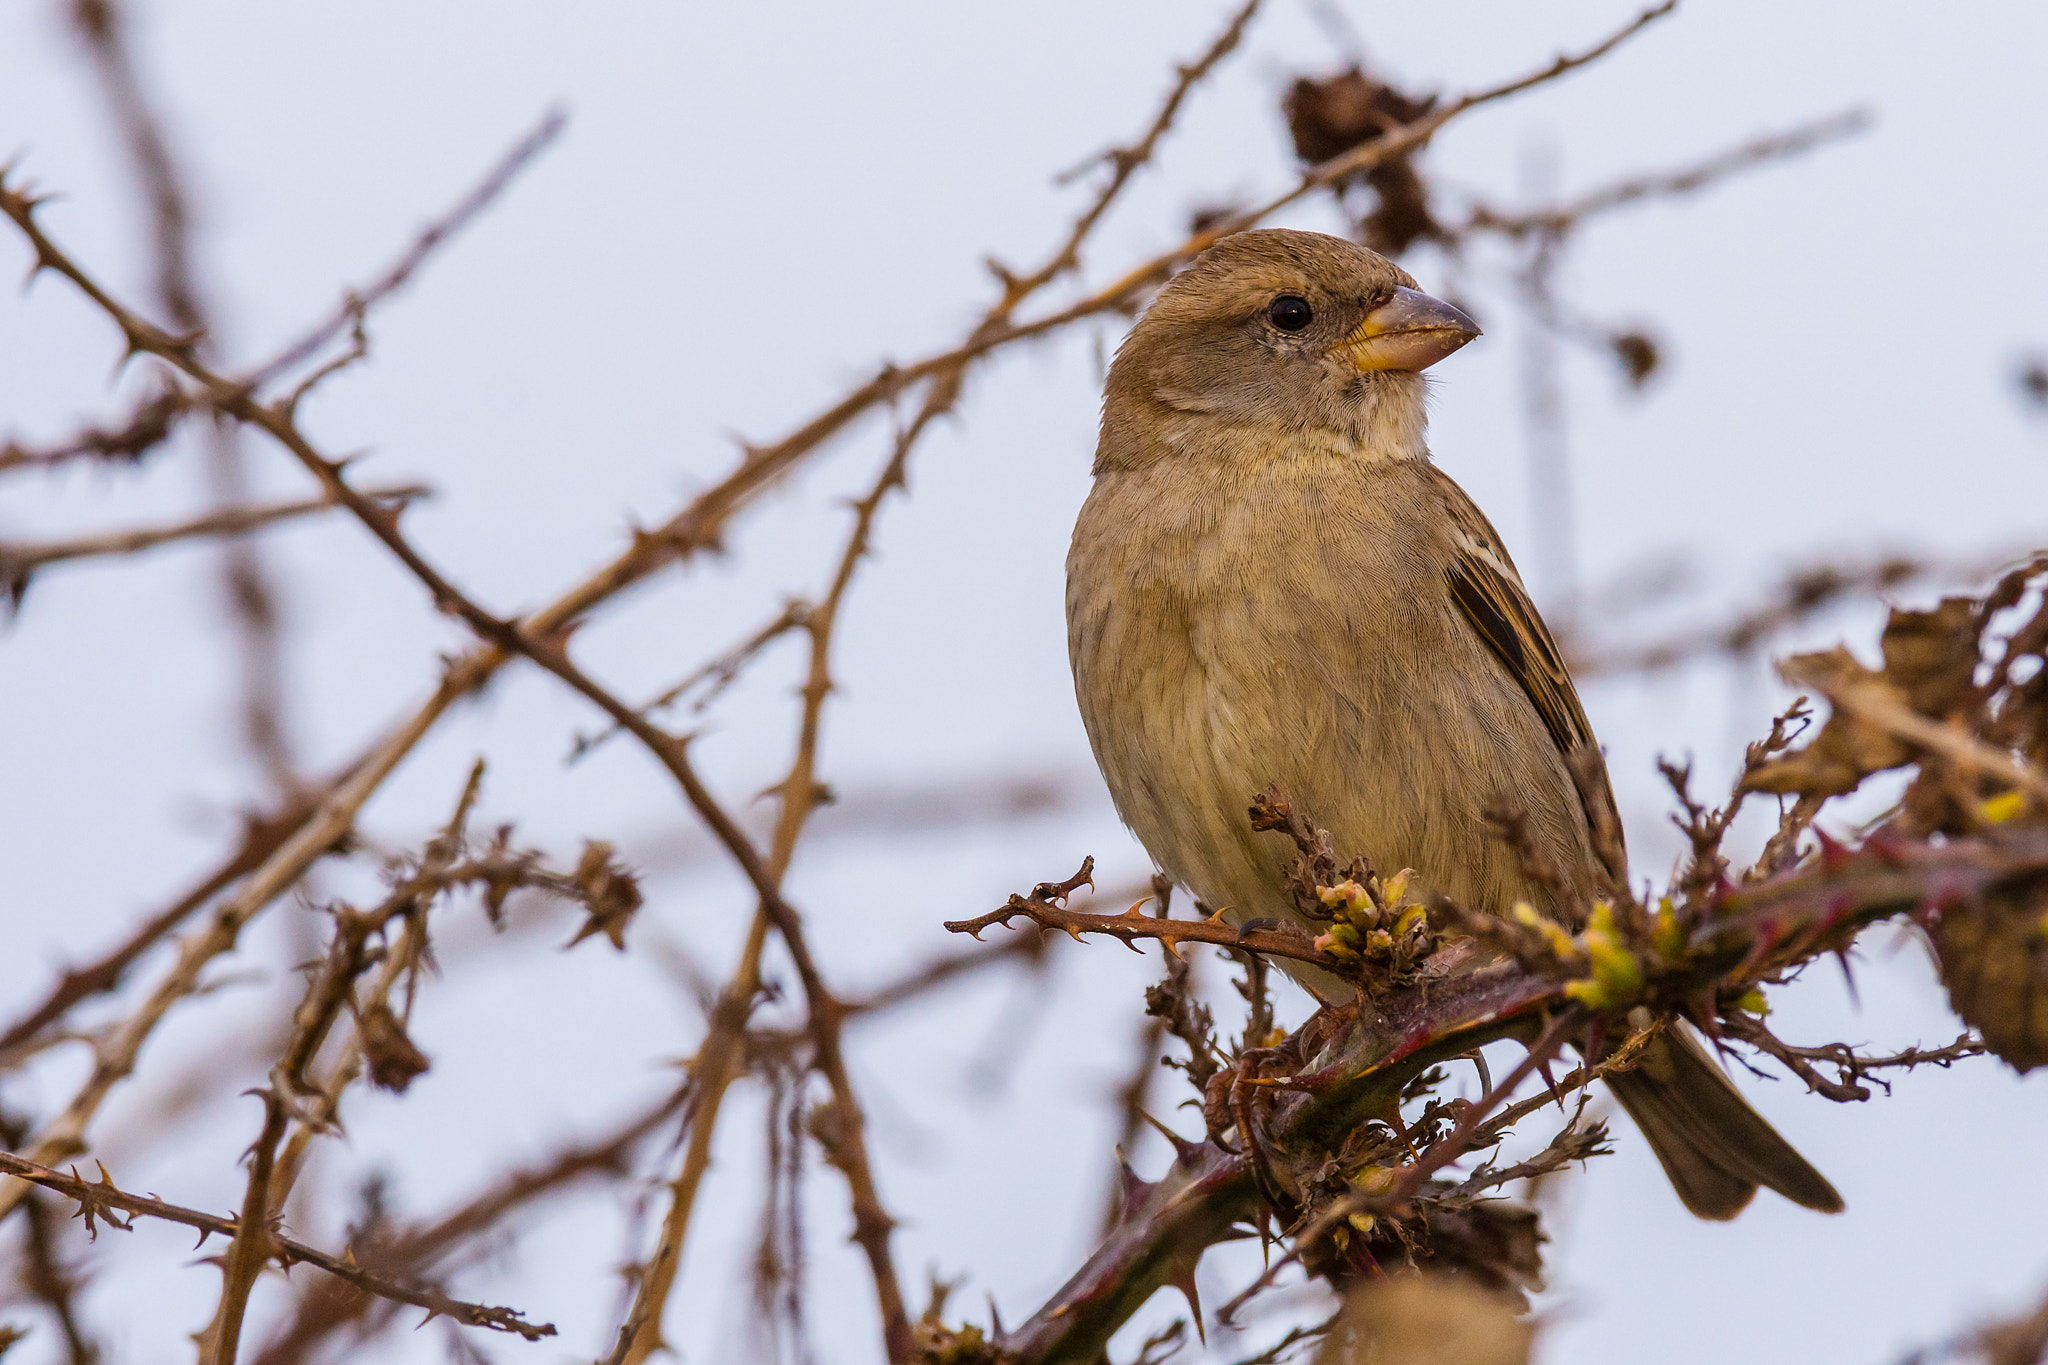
x: 1300, y: 335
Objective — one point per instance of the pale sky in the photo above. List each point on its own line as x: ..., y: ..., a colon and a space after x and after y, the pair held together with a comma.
x: 752, y: 206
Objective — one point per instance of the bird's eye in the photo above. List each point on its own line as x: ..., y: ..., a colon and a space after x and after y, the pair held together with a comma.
x: 1289, y: 312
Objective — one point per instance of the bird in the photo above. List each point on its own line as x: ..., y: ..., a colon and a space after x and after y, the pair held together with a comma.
x: 1271, y: 583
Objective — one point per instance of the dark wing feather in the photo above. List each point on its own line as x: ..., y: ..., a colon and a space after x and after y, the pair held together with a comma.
x: 1483, y: 582
x: 1502, y: 613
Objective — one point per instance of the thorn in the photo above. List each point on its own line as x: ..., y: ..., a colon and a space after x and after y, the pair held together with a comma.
x: 1701, y: 1012
x: 1849, y: 976
x: 1832, y: 853
x: 1184, y: 1281
x: 1543, y: 1069
x: 1004, y: 276
x: 1182, y: 1148
x: 1131, y: 1189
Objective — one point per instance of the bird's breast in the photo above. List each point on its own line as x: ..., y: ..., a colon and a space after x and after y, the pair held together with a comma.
x: 1229, y: 635
x: 1230, y: 632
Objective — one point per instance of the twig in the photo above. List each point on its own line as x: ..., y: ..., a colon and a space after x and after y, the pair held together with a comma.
x: 1131, y: 926
x: 1803, y: 593
x: 1851, y: 1067
x: 1563, y: 218
x: 800, y: 793
x: 356, y: 303
x: 20, y: 560
x: 913, y: 984
x: 1124, y: 162
x: 330, y: 1306
x: 720, y: 673
x: 45, y: 1277
x: 1570, y: 1144
x: 1411, y: 1177
x: 100, y: 1199
x: 146, y: 428
x: 261, y: 840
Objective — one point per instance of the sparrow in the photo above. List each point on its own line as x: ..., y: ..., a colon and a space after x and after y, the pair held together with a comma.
x: 1270, y: 583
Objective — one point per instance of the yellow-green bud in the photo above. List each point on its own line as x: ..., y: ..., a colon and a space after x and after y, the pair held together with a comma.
x: 1667, y: 935
x: 1345, y: 898
x: 1998, y: 809
x: 1617, y: 976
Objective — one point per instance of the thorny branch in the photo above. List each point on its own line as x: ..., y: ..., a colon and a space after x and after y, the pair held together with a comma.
x: 357, y: 303
x: 102, y: 1200
x: 328, y: 1307
x: 146, y: 427
x: 1851, y: 1067
x: 1562, y: 218
x: 1044, y: 908
x: 19, y: 561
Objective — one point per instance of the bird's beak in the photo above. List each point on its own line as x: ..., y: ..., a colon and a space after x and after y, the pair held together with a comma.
x: 1411, y: 332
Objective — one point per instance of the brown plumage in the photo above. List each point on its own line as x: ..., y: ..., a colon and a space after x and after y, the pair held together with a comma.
x: 1271, y: 583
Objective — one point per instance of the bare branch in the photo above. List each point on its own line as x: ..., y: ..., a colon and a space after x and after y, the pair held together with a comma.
x: 356, y: 303
x: 1042, y: 908
x: 100, y: 1199
x: 1670, y: 184
x: 19, y: 561
x: 146, y: 428
x: 1851, y: 1067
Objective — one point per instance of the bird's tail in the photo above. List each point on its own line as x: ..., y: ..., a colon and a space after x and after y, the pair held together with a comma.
x: 1713, y: 1146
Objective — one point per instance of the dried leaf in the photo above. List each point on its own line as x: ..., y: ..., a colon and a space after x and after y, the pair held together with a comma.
x: 393, y: 1058
x: 1329, y: 117
x: 1994, y: 961
x: 1639, y: 354
x: 1931, y: 656
x: 1847, y: 749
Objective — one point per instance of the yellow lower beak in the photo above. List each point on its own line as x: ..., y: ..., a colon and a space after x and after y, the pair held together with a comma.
x: 1410, y: 332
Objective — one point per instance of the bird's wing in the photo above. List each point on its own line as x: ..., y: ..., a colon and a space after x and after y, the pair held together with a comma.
x: 1483, y: 582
